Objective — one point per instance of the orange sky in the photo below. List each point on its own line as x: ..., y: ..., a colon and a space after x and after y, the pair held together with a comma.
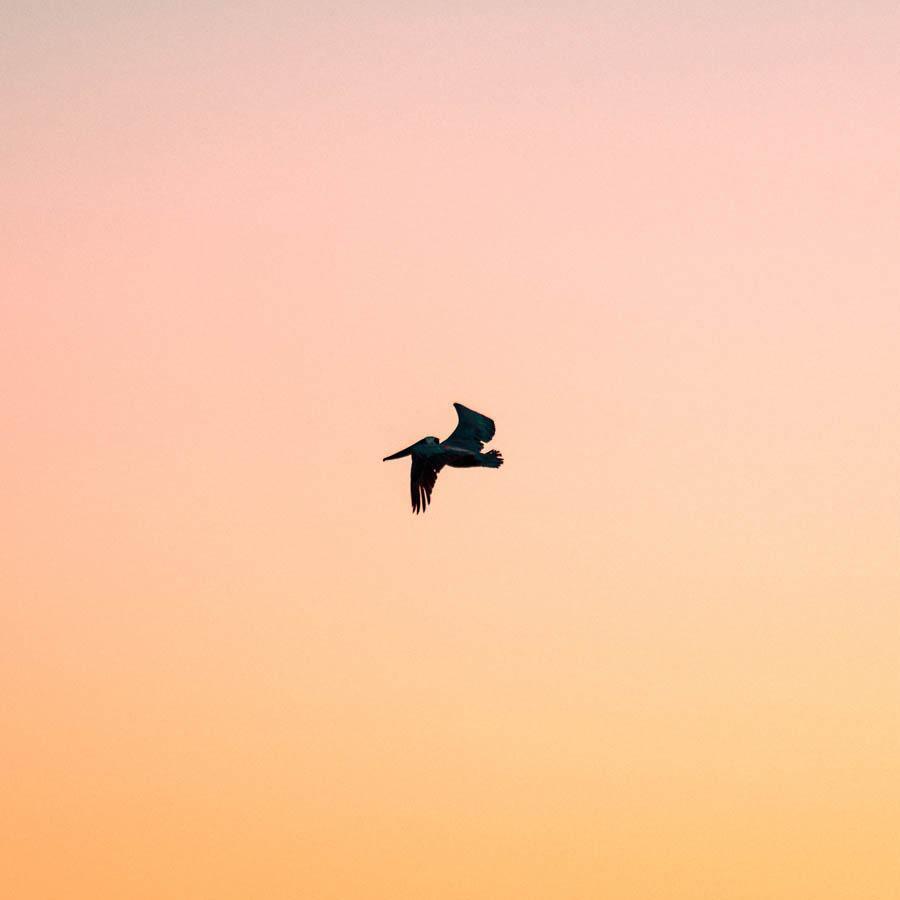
x: 250, y: 250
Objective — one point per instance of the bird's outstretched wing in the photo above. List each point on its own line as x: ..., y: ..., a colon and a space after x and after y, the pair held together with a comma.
x: 473, y: 431
x: 422, y: 477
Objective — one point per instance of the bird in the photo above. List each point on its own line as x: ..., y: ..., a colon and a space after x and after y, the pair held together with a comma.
x: 462, y: 450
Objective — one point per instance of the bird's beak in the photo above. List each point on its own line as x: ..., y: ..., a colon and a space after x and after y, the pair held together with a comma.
x: 400, y: 453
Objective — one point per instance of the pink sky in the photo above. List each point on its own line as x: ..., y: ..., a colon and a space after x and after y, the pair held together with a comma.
x: 252, y: 249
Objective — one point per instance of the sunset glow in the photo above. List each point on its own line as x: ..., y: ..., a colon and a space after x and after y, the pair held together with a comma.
x: 251, y: 249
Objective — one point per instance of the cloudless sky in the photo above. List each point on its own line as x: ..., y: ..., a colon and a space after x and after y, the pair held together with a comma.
x: 249, y: 250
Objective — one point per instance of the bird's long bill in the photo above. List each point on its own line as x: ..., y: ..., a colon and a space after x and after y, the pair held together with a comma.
x: 400, y: 453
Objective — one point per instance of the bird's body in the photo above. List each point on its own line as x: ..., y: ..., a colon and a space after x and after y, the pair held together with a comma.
x: 462, y: 450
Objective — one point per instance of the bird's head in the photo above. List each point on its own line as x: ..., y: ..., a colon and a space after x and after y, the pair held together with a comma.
x: 426, y: 445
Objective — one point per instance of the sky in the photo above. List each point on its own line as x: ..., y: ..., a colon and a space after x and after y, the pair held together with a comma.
x: 251, y: 249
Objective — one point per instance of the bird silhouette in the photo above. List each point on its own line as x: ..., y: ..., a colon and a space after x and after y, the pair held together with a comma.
x: 462, y: 450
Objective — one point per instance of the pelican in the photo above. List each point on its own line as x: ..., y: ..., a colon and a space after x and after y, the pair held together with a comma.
x: 462, y: 450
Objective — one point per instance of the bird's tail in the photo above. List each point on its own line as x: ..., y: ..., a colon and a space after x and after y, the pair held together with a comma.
x: 492, y: 459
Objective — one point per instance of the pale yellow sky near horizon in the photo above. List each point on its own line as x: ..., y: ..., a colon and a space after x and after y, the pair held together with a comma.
x: 252, y: 249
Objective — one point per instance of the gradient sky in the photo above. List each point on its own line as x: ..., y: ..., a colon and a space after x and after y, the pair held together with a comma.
x: 249, y: 249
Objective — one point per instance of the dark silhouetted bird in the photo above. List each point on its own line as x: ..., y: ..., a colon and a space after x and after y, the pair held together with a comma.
x: 462, y: 450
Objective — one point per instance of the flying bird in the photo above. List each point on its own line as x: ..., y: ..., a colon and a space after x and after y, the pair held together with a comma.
x: 462, y: 450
